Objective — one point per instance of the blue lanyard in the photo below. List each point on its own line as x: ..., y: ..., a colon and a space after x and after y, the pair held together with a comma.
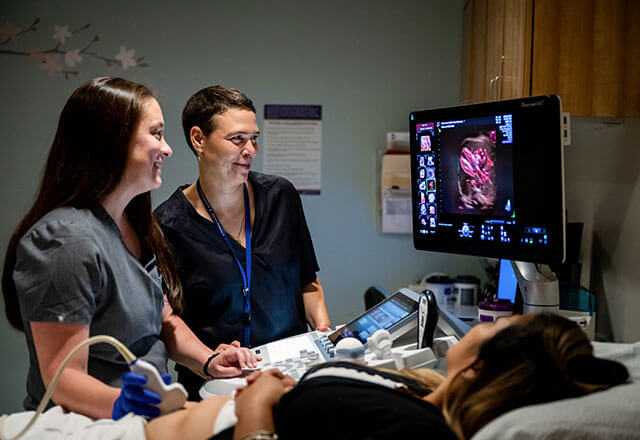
x: 246, y: 276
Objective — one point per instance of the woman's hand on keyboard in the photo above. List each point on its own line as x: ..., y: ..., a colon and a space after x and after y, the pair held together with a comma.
x: 230, y: 362
x: 222, y: 347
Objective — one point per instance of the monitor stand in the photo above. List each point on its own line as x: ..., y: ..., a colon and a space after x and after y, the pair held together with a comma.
x: 539, y: 287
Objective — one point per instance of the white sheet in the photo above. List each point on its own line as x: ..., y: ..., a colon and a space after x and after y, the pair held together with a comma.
x: 610, y: 414
x: 55, y: 424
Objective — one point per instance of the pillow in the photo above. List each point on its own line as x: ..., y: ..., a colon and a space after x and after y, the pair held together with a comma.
x: 611, y: 414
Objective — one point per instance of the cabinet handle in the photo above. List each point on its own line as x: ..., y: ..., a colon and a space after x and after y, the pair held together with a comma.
x: 493, y: 90
x: 499, y: 78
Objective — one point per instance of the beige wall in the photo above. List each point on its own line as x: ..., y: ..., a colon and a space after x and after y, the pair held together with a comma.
x: 602, y: 169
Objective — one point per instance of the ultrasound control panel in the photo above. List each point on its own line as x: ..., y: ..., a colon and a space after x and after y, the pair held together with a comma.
x: 296, y: 354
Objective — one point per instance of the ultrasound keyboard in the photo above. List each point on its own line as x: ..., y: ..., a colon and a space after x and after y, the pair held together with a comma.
x: 296, y: 354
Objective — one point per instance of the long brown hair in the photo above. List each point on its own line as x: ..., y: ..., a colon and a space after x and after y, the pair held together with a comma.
x: 86, y: 162
x: 545, y: 359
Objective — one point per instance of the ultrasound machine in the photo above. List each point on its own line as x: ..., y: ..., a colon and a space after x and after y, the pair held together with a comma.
x: 486, y: 180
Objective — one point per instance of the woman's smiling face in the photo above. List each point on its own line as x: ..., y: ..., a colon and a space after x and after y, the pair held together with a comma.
x: 227, y: 152
x: 147, y: 150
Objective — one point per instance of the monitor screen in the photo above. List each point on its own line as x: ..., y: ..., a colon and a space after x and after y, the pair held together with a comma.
x: 382, y: 316
x: 507, y: 281
x: 487, y: 180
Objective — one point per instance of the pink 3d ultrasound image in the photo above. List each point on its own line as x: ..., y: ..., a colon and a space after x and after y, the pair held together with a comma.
x: 476, y: 173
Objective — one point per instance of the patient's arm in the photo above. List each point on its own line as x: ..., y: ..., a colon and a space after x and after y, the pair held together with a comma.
x: 254, y: 404
x: 77, y: 391
x: 193, y: 423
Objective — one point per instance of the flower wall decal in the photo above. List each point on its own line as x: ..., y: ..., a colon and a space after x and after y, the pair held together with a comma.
x: 62, y: 33
x: 9, y: 31
x: 126, y: 57
x: 58, y: 58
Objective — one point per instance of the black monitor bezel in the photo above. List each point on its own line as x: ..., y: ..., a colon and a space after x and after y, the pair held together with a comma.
x: 540, y: 111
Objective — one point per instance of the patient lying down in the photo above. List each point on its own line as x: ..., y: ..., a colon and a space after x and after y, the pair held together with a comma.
x: 495, y: 368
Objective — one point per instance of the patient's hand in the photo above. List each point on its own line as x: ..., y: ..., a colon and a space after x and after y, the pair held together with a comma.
x: 265, y: 387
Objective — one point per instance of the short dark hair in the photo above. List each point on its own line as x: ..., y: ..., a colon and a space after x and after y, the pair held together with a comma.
x: 203, y: 105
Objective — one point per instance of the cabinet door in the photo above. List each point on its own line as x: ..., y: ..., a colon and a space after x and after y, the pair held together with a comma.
x: 474, y: 48
x: 515, y: 72
x: 496, y: 49
x: 588, y: 52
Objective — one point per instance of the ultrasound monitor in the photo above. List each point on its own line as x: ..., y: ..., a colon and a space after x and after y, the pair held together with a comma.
x: 487, y: 180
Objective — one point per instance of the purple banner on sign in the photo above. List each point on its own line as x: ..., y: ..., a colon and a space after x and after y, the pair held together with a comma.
x: 308, y: 112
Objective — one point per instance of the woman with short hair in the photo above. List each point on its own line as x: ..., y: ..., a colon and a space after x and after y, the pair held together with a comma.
x: 240, y: 238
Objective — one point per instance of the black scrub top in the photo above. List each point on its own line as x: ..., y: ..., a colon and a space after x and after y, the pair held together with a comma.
x: 283, y: 262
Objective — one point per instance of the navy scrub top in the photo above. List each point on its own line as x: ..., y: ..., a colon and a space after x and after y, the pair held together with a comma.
x: 283, y: 262
x: 73, y: 266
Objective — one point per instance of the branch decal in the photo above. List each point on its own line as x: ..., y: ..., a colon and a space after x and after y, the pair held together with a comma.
x: 65, y: 52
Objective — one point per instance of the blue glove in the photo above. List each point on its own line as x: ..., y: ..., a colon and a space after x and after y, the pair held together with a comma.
x: 135, y: 398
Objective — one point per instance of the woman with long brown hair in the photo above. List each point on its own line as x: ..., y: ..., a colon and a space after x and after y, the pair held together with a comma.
x: 89, y: 258
x: 518, y: 361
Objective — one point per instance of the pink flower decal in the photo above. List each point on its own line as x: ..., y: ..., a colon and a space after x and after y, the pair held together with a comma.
x: 73, y: 57
x: 51, y: 62
x: 9, y: 32
x: 34, y: 54
x: 51, y: 58
x: 62, y: 33
x: 126, y: 57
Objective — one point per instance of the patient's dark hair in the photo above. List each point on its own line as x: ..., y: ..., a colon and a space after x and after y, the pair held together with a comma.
x: 203, y: 105
x: 86, y: 162
x: 541, y: 360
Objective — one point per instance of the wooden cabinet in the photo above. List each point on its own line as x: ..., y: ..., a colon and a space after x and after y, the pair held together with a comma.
x: 585, y: 51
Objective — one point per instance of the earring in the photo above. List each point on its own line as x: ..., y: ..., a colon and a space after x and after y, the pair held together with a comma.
x: 198, y: 157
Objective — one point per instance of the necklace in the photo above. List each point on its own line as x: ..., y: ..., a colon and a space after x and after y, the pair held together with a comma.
x: 238, y: 235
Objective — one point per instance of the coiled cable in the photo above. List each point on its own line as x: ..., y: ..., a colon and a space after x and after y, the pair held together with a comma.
x: 124, y: 351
